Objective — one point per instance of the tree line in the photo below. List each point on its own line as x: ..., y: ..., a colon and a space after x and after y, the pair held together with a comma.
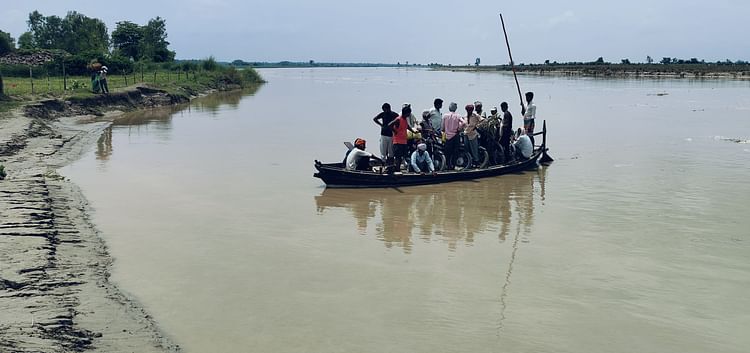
x: 649, y: 60
x: 85, y: 40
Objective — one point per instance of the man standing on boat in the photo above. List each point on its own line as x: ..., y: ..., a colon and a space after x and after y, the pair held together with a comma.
x: 472, y: 136
x: 400, y: 127
x: 384, y: 119
x: 529, y: 114
x: 413, y: 122
x: 452, y: 125
x: 436, y: 116
x: 506, y: 130
x: 478, y: 109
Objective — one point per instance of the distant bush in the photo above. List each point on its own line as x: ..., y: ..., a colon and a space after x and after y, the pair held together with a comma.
x: 188, y: 66
x: 252, y: 76
x: 209, y: 64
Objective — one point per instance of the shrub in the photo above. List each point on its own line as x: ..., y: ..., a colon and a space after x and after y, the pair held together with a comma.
x: 209, y: 64
x: 2, y: 172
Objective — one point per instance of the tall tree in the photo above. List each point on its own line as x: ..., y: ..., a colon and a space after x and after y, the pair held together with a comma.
x: 7, y: 43
x: 74, y: 33
x: 126, y: 40
x: 47, y: 31
x: 84, y: 33
x: 26, y: 41
x: 154, y: 44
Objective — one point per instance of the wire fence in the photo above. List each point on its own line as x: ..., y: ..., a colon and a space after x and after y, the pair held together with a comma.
x: 59, y: 85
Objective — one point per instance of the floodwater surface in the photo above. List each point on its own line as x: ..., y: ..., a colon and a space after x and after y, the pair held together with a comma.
x: 634, y: 240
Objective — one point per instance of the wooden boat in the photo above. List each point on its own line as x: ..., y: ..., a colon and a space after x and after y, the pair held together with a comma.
x: 335, y: 175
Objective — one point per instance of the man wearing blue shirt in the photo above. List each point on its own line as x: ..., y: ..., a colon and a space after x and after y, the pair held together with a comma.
x: 421, y: 161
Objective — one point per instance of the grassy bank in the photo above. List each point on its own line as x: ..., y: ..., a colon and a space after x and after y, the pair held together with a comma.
x: 25, y: 88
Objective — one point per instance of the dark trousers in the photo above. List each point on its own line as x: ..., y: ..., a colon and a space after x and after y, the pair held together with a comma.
x: 451, y: 146
x: 400, y: 152
x: 105, y: 87
x: 363, y: 163
x: 505, y: 142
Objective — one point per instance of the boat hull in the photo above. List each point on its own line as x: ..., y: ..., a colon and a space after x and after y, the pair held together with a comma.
x: 335, y: 176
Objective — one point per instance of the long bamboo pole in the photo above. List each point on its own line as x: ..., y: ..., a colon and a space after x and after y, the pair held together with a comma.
x: 512, y: 65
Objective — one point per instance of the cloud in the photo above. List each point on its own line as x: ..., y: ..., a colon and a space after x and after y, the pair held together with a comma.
x: 566, y: 17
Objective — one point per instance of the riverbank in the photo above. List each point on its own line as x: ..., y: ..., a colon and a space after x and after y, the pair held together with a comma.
x: 695, y: 71
x: 54, y: 289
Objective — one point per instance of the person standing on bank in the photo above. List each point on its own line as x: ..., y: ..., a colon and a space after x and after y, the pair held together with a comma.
x: 506, y: 130
x: 384, y: 119
x: 400, y: 126
x: 452, y: 125
x: 103, y: 80
x: 529, y: 114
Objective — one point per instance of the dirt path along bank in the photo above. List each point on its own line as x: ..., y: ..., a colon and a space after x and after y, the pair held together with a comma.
x: 55, y: 295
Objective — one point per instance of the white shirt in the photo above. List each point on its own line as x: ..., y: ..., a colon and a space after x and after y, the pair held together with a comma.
x: 530, y: 112
x: 436, y: 119
x: 353, y: 158
x: 412, y: 120
x: 523, y: 144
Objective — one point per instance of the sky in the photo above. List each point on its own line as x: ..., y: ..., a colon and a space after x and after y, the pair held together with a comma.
x: 435, y: 31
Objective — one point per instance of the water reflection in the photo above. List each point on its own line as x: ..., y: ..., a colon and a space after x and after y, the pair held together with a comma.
x: 159, y: 120
x: 104, y: 145
x: 215, y: 102
x: 453, y: 214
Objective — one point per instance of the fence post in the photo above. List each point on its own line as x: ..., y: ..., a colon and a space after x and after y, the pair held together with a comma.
x: 31, y: 77
x: 154, y: 76
x: 48, y: 83
x: 65, y: 79
x: 141, y: 72
x: 125, y: 76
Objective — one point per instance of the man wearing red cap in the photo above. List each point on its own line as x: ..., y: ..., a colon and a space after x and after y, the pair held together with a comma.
x: 358, y: 158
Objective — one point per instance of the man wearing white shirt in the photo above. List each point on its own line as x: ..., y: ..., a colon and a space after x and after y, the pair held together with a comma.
x: 529, y: 114
x: 524, y: 146
x: 436, y: 116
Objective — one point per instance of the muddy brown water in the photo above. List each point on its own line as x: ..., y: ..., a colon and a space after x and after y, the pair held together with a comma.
x: 635, y: 239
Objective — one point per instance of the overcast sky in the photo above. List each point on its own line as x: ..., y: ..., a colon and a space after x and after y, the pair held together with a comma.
x: 442, y: 31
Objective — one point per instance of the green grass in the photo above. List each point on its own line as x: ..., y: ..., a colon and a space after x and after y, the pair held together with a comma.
x: 53, y: 86
x: 80, y: 86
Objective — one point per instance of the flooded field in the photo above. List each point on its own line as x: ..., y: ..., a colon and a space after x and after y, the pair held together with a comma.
x: 634, y: 240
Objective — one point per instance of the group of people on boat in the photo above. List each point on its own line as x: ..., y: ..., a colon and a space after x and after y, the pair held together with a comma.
x: 439, y: 140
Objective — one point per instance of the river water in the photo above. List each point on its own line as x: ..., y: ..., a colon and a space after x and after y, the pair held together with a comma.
x: 634, y: 240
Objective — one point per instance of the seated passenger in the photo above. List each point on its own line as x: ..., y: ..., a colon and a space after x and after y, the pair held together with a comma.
x: 358, y: 158
x: 523, y: 145
x: 421, y: 161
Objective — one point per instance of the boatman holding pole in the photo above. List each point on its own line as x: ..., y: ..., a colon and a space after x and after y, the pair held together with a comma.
x: 529, y: 114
